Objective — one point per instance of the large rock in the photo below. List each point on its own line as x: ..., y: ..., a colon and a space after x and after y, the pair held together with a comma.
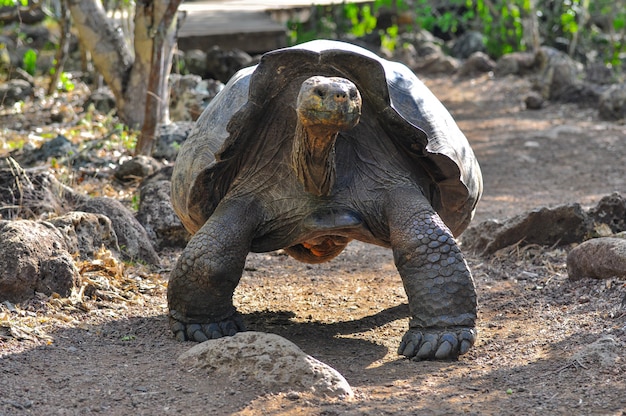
x: 190, y: 95
x: 612, y: 104
x: 605, y: 353
x: 274, y: 362
x: 133, y: 240
x: 102, y: 100
x: 610, y: 210
x: 476, y: 64
x: 516, y: 63
x: 560, y: 78
x: 561, y: 225
x: 223, y: 64
x: 169, y: 138
x: 59, y: 147
x: 598, y: 258
x: 33, y: 259
x: 468, y: 44
x: 422, y: 52
x: 13, y: 91
x: 137, y: 168
x: 86, y: 233
x: 564, y: 224
x: 157, y: 215
x: 29, y: 194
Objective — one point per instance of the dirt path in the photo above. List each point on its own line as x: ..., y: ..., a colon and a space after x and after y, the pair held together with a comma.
x: 546, y: 345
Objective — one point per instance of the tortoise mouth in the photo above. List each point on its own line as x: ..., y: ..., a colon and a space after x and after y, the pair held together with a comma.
x: 338, y: 120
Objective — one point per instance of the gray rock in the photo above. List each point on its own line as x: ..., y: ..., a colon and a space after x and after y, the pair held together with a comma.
x: 195, y: 62
x: 478, y: 63
x: 598, y: 258
x: 19, y: 73
x: 562, y: 225
x: 102, y: 99
x: 33, y: 259
x: 29, y: 194
x: 85, y: 233
x: 131, y: 236
x: 274, y: 362
x: 8, y: 58
x: 30, y: 15
x: 423, y: 53
x: 190, y: 95
x: 223, y: 64
x: 534, y: 101
x: 158, y: 217
x: 36, y: 36
x: 169, y: 139
x: 516, y: 63
x: 606, y: 352
x: 599, y: 73
x: 432, y: 60
x: 59, y: 147
x: 612, y: 105
x: 560, y: 78
x: 137, y: 168
x: 610, y: 210
x: 14, y: 91
x: 468, y: 44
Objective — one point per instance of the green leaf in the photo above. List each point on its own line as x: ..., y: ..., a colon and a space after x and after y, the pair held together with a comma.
x: 30, y: 61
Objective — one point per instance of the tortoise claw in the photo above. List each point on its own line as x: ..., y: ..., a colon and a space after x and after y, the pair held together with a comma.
x: 203, y: 332
x: 428, y: 343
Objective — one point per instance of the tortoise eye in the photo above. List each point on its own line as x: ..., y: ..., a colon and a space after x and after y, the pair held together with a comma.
x: 320, y: 93
x: 353, y: 94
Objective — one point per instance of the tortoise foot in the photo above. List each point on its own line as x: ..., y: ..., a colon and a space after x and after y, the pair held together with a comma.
x: 436, y: 343
x: 203, y: 332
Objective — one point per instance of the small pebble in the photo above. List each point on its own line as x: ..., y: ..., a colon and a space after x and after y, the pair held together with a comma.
x: 293, y: 395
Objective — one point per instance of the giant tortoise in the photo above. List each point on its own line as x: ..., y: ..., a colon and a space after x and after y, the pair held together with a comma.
x: 315, y: 146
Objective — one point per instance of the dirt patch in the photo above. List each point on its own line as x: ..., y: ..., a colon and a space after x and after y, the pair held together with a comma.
x: 546, y: 345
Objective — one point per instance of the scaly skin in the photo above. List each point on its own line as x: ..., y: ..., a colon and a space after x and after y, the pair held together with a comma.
x: 201, y: 285
x: 438, y: 283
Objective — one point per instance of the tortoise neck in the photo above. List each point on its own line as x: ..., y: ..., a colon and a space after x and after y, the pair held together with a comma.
x: 313, y: 158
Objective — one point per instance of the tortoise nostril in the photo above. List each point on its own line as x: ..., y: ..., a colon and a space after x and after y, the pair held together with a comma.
x: 340, y: 96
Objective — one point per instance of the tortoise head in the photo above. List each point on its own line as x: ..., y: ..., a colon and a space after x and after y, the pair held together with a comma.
x: 328, y: 104
x: 325, y: 106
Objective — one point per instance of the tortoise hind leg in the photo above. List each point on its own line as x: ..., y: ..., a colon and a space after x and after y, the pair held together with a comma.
x: 202, y: 283
x: 437, y: 280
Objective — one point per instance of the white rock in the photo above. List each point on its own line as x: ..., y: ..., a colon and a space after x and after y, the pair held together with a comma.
x: 276, y: 363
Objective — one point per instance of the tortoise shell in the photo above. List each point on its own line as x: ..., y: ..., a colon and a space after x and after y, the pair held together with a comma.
x: 418, y: 124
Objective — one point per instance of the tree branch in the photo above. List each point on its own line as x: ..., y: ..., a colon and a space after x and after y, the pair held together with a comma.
x: 155, y: 93
x: 110, y: 52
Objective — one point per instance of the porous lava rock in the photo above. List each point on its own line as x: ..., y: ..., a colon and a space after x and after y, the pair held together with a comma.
x: 274, y: 362
x: 598, y: 258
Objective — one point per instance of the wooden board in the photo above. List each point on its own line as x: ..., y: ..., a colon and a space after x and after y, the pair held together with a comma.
x: 249, y: 25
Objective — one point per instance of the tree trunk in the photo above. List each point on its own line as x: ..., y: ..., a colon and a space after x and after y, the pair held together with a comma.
x: 64, y: 45
x: 125, y: 73
x: 157, y: 98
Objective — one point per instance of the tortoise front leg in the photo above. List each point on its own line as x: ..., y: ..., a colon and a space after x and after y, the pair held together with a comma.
x: 202, y: 283
x: 437, y: 280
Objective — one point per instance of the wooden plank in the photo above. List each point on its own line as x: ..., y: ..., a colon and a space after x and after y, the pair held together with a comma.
x: 224, y: 22
x: 243, y: 24
x: 250, y: 31
x: 264, y: 5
